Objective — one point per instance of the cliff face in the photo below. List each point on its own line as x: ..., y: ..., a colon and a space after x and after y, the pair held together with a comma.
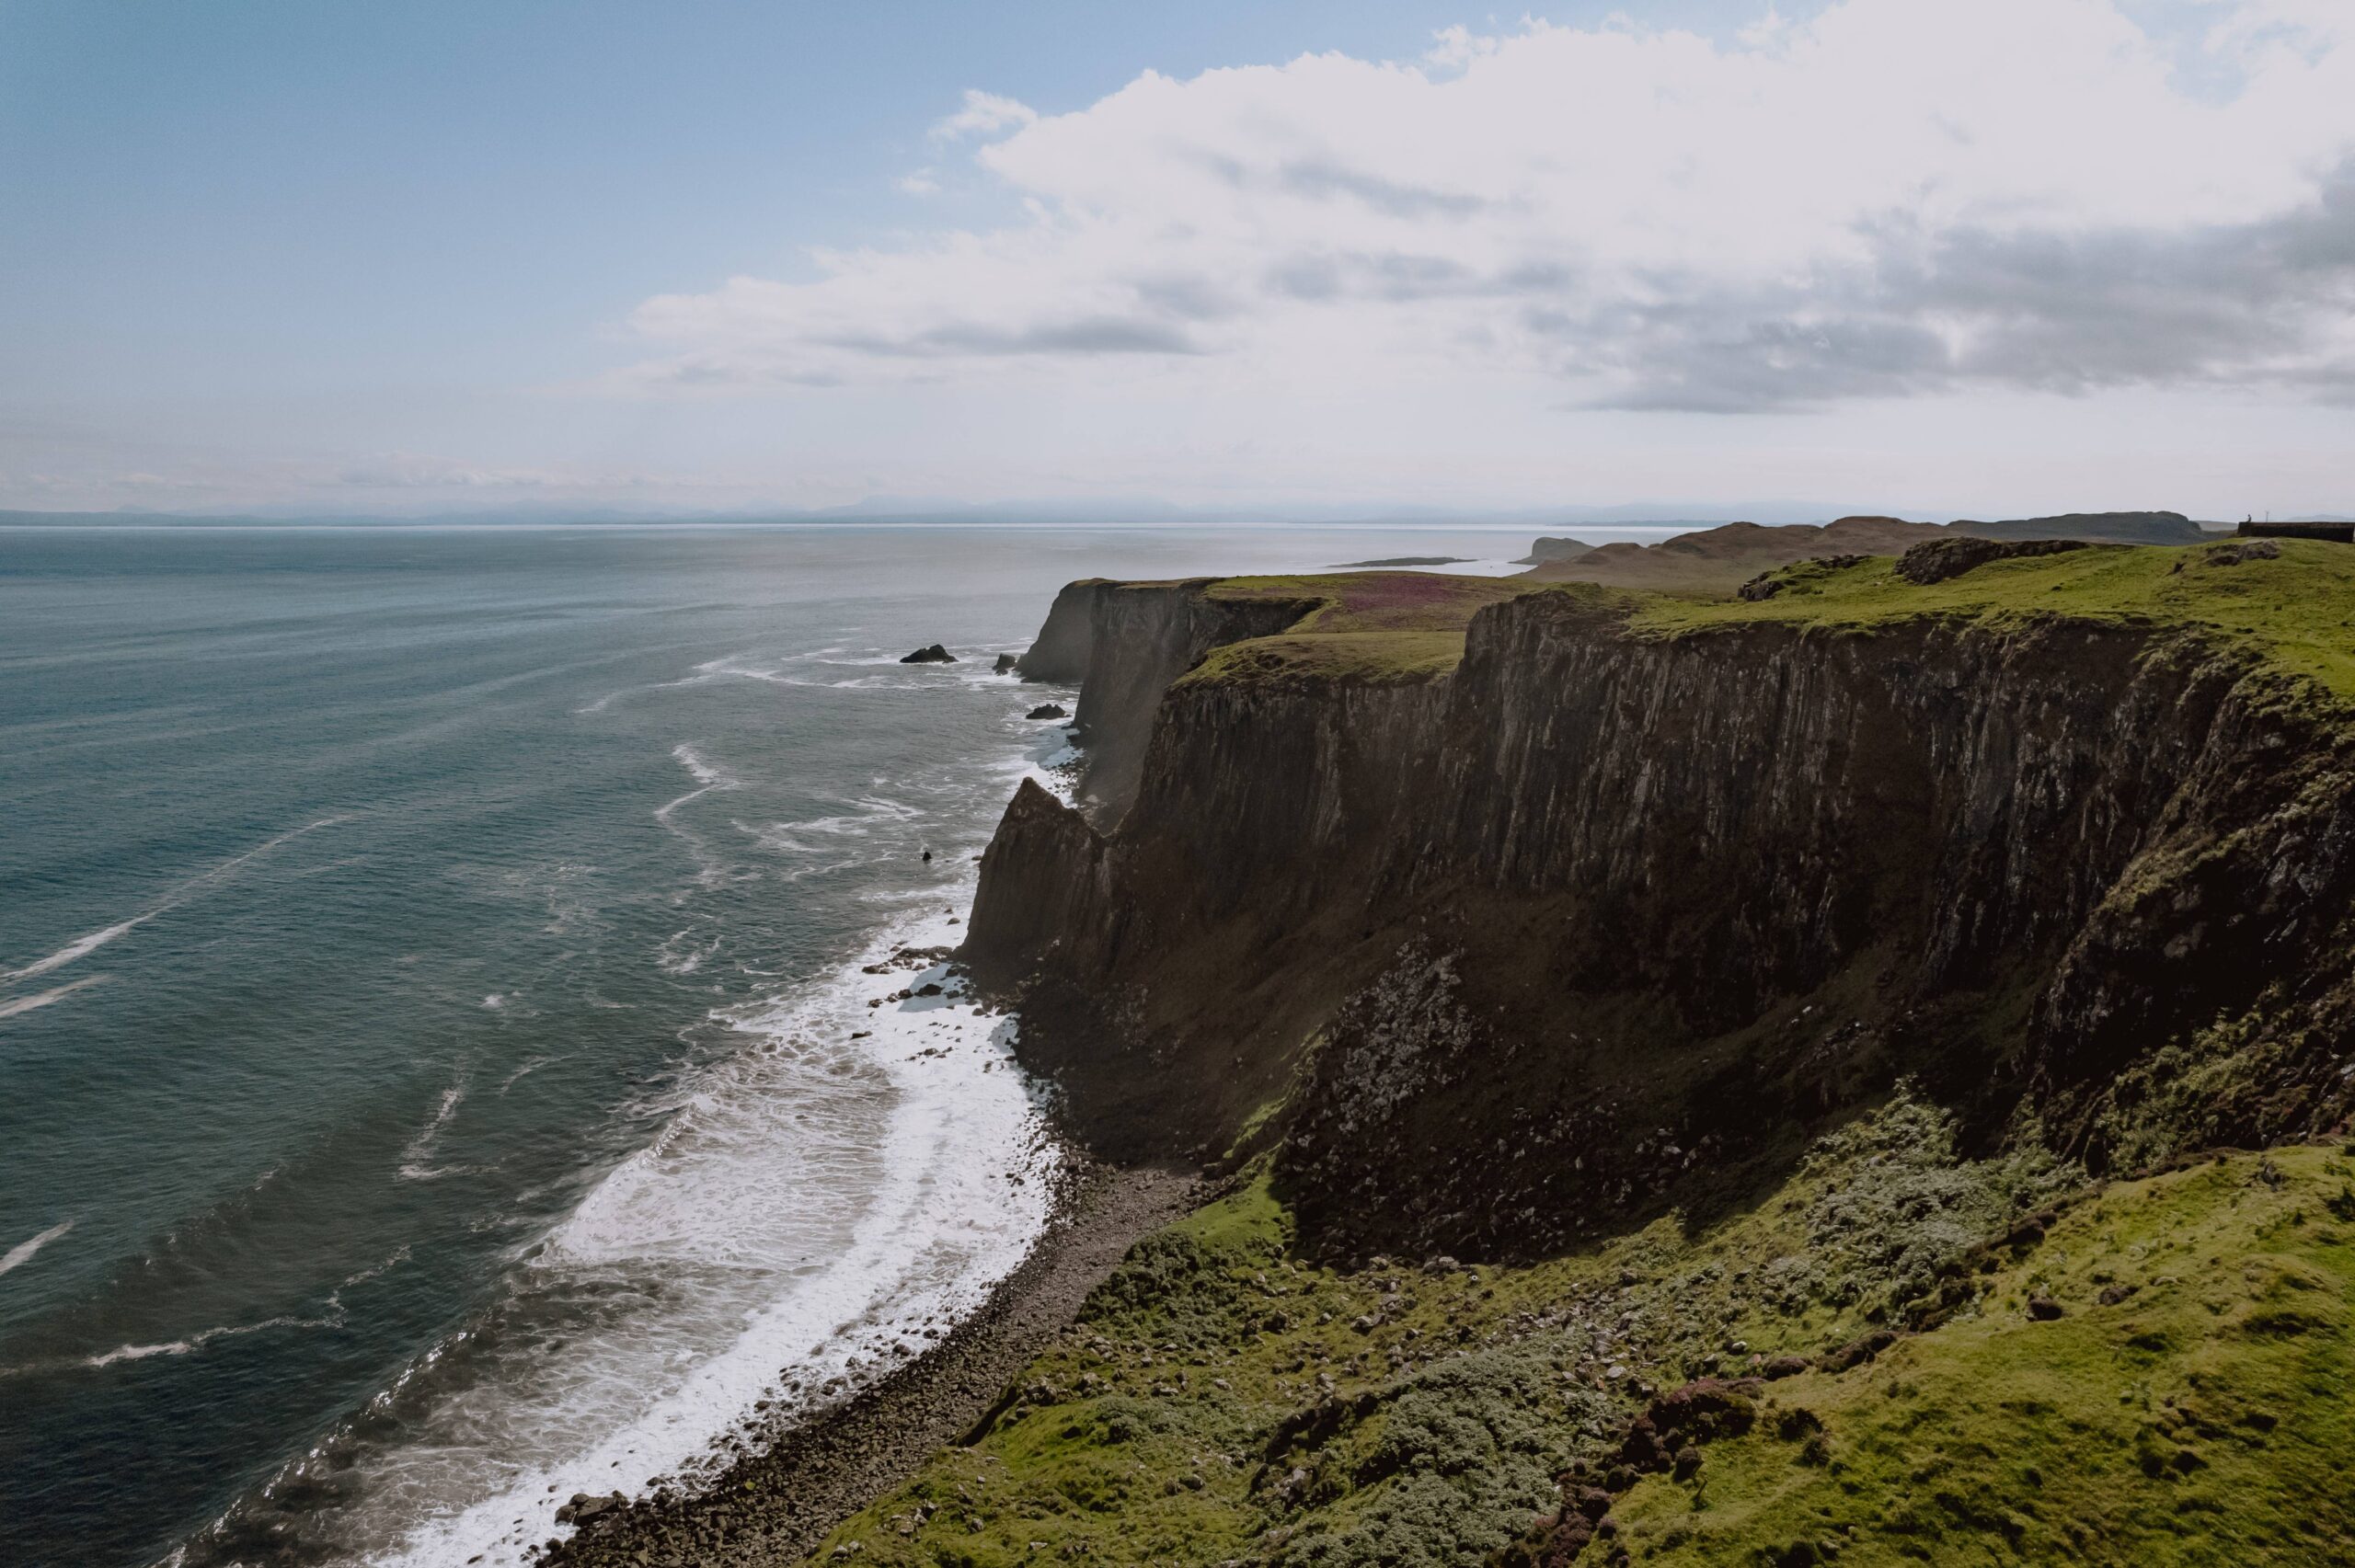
x: 1058, y: 653
x: 1141, y: 637
x: 1601, y: 911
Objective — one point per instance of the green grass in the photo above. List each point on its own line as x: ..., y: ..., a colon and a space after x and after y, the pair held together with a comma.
x: 1224, y: 1399
x: 1367, y: 628
x: 2296, y: 612
x: 2203, y: 1418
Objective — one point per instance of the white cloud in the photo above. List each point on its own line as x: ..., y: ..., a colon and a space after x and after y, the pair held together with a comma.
x: 918, y: 182
x: 984, y: 114
x: 1894, y: 198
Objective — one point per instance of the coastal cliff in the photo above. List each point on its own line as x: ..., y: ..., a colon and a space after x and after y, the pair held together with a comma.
x: 1856, y: 1071
x: 1632, y: 898
x: 1701, y: 1082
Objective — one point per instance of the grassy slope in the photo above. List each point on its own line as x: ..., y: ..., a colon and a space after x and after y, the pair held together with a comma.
x: 1713, y: 562
x: 2203, y: 1418
x: 1224, y: 1399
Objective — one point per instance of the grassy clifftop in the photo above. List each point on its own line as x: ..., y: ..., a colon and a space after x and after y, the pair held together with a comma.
x: 1369, y: 626
x: 2292, y: 603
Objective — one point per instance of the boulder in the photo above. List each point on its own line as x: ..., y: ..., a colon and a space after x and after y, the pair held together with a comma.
x: 584, y: 1507
x: 936, y: 654
x: 1943, y: 558
x: 1050, y: 710
x: 1004, y: 664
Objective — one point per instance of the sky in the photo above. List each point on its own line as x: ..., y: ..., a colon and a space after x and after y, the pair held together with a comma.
x: 1929, y: 257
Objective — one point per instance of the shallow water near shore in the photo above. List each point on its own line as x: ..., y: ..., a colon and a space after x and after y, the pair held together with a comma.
x: 435, y: 1068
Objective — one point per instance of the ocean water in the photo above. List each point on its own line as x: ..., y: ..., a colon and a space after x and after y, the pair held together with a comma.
x: 436, y: 1071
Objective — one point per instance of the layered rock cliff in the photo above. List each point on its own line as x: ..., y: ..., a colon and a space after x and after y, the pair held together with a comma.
x: 1125, y: 643
x: 1609, y: 909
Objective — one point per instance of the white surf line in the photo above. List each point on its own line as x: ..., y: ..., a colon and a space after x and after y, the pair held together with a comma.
x: 22, y: 1252
x: 43, y: 999
x: 707, y: 776
x: 413, y: 1167
x: 82, y: 946
x: 711, y: 870
x: 719, y: 668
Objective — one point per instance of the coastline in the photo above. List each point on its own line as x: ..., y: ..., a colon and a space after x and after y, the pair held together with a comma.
x: 790, y: 1484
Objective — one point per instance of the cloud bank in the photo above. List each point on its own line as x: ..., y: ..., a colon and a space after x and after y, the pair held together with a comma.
x: 1893, y: 199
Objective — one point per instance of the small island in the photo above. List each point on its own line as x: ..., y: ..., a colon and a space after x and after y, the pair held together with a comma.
x: 1408, y: 561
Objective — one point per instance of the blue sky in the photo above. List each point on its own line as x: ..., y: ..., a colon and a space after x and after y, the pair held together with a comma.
x: 426, y: 255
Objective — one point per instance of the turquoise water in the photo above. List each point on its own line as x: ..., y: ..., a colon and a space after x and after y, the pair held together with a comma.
x: 429, y: 975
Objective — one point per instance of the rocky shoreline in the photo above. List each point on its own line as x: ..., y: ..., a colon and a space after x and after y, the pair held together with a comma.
x: 789, y: 1485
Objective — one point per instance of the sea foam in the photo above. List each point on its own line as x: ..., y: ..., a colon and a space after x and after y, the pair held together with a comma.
x: 816, y: 1206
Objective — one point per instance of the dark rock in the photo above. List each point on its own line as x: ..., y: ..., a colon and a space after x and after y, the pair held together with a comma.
x: 584, y: 1507
x: 1050, y: 710
x: 1004, y: 664
x: 936, y: 654
x: 2043, y: 1309
x: 1688, y: 1462
x: 2112, y: 1295
x: 1766, y: 585
x: 1856, y: 1352
x: 1706, y: 1408
x: 1783, y: 1367
x: 1938, y: 560
x: 930, y: 988
x: 1641, y: 1449
x: 2233, y: 554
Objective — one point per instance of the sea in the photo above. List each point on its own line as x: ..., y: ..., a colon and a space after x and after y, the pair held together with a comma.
x: 437, y: 1067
